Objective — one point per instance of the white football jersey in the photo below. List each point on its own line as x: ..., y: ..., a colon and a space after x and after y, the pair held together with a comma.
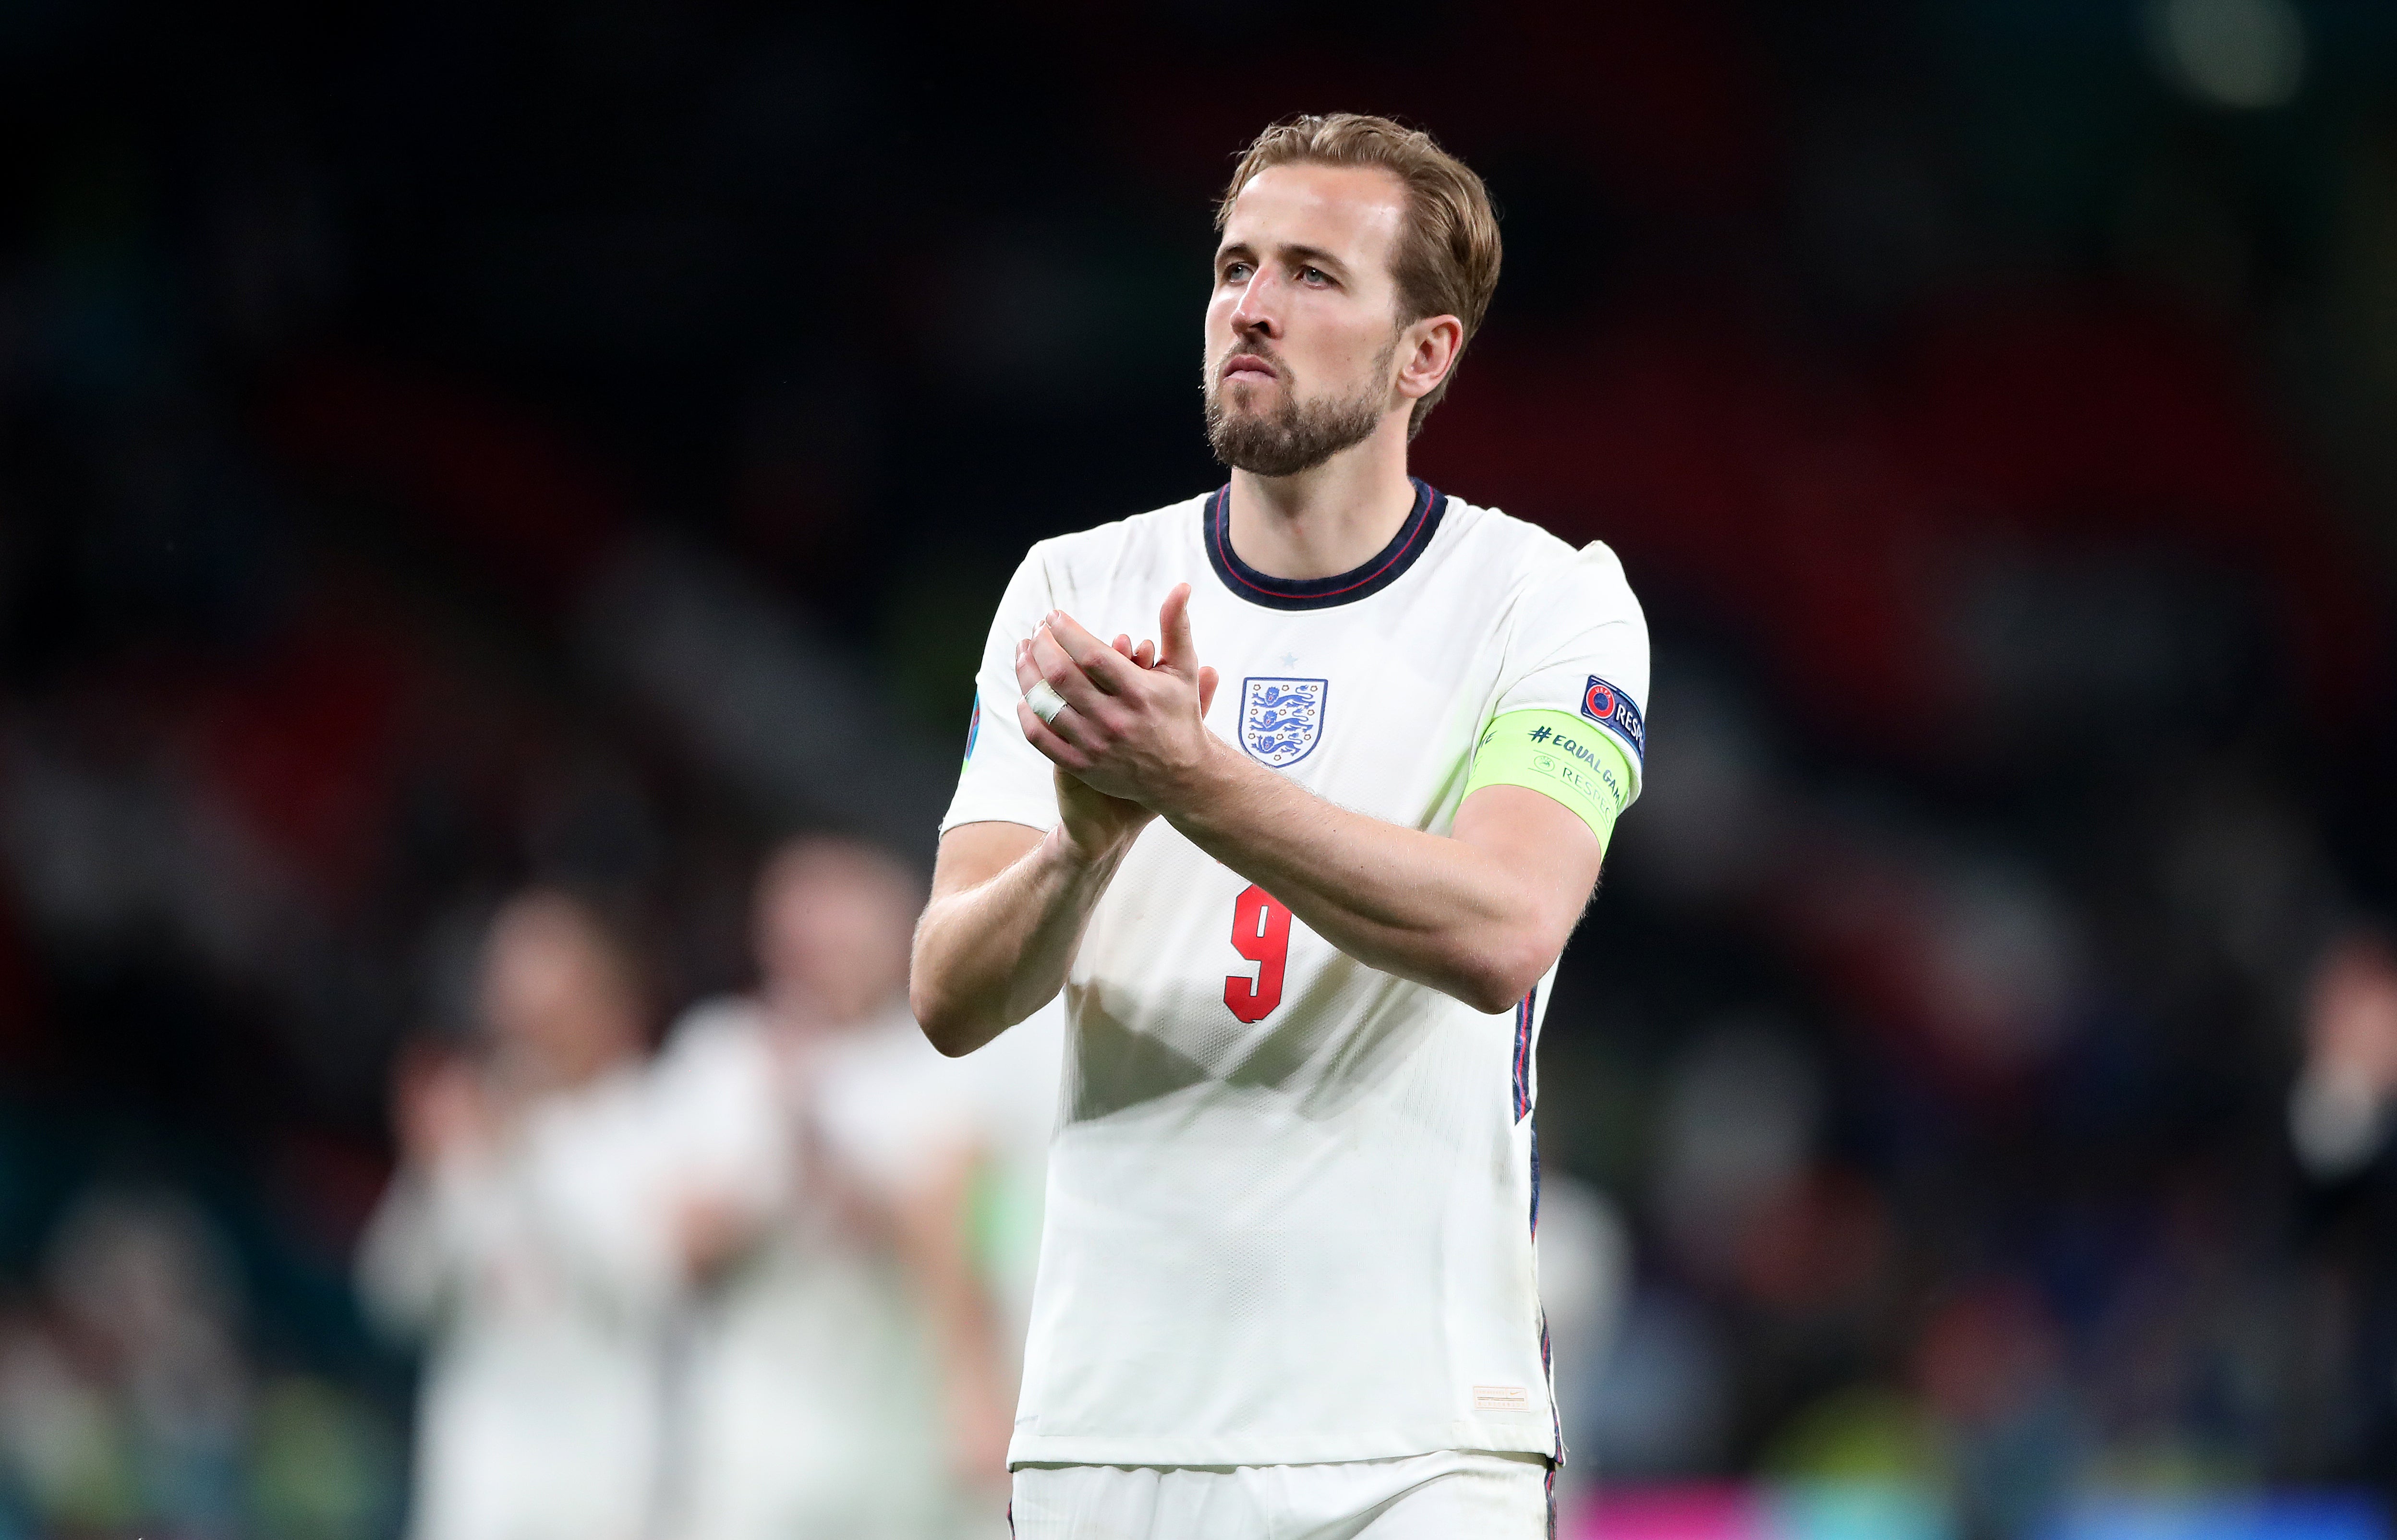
x: 1291, y: 1198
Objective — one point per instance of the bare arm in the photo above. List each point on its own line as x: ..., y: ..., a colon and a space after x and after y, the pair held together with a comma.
x: 1008, y: 909
x: 1478, y: 914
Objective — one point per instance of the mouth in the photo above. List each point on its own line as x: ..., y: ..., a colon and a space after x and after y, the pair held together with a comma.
x: 1246, y: 369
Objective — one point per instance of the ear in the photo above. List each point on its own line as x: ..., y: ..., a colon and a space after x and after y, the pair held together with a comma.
x: 1427, y: 350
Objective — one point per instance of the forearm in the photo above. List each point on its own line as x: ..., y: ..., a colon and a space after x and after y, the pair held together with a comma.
x: 988, y: 956
x: 1422, y: 907
x: 438, y: 1225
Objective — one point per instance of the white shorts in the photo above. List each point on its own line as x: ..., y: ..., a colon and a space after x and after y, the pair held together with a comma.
x: 1451, y: 1495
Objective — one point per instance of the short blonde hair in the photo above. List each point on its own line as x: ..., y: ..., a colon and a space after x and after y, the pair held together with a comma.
x: 1447, y: 260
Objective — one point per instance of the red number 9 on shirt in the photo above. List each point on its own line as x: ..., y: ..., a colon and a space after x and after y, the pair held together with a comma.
x: 1260, y: 933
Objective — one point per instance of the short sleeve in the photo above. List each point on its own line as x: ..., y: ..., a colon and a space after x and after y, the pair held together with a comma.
x: 1580, y: 646
x: 1005, y: 779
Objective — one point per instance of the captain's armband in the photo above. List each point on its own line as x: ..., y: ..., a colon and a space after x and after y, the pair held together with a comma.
x: 1561, y: 757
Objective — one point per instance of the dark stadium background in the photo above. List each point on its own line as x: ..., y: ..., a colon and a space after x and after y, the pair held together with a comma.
x: 450, y: 443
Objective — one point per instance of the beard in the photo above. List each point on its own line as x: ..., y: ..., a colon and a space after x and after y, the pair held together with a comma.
x: 1295, y: 436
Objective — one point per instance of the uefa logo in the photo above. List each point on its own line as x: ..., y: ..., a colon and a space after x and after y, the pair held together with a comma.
x: 1280, y: 719
x: 1613, y: 710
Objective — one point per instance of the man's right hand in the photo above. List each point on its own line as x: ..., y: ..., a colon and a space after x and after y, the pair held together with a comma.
x: 1094, y: 825
x: 1009, y: 902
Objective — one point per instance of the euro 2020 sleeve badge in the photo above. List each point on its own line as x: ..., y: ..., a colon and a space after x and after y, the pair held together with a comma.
x: 1281, y: 719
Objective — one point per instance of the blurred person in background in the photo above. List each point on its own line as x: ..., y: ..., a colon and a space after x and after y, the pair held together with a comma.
x: 854, y: 1212
x: 517, y: 1238
x: 126, y: 1402
x: 2341, y: 1109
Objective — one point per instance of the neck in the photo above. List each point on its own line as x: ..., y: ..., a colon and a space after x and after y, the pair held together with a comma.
x: 1331, y: 519
x: 537, y: 1074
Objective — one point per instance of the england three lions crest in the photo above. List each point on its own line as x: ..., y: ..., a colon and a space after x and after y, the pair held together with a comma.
x: 1280, y: 719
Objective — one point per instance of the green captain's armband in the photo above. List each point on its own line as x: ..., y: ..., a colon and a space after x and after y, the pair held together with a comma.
x: 1560, y: 756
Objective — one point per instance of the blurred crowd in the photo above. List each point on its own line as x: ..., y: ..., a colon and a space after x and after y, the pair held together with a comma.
x: 767, y: 1283
x: 475, y: 481
x: 130, y: 1405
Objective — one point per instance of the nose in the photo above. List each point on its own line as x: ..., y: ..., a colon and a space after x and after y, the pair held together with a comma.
x: 1255, y: 314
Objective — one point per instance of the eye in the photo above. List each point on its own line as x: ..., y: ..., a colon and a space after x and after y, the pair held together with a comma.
x: 1236, y: 271
x: 1314, y: 277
